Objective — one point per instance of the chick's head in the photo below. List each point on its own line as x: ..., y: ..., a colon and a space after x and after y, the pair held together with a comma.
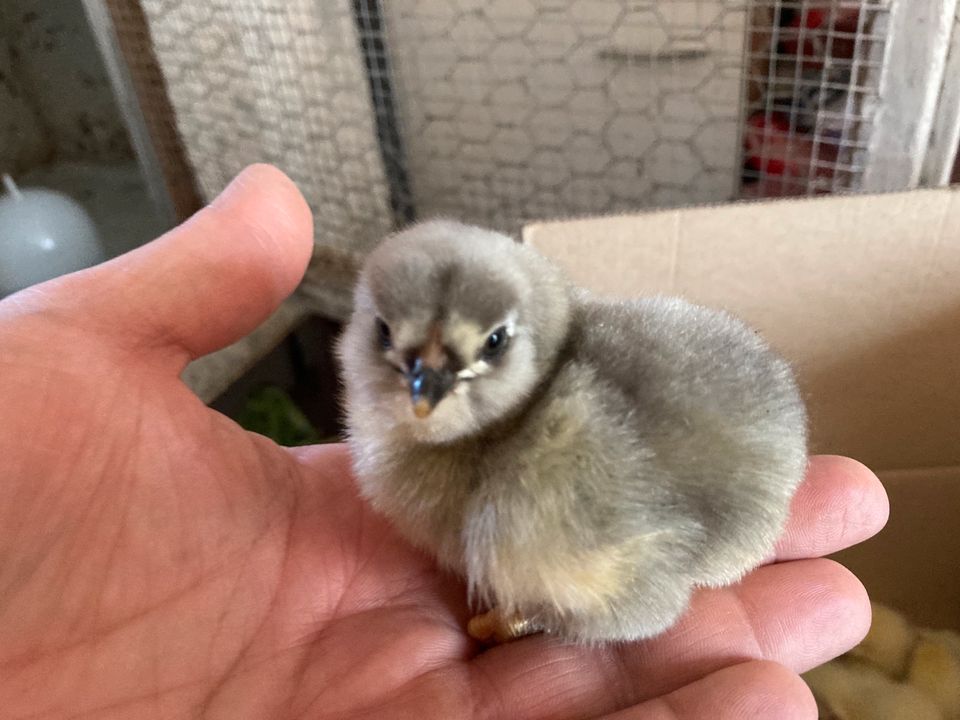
x: 453, y: 327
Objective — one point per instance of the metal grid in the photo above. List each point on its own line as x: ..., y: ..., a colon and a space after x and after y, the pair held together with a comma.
x: 370, y: 28
x: 813, y: 78
x: 511, y: 110
x: 504, y: 111
x: 284, y: 82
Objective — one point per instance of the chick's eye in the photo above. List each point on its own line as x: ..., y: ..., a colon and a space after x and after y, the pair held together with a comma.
x: 383, y: 335
x: 496, y: 343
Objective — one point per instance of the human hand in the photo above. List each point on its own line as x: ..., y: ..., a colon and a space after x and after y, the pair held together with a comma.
x: 156, y: 560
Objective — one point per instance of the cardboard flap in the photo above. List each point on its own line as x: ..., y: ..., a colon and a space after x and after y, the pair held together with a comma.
x: 861, y: 293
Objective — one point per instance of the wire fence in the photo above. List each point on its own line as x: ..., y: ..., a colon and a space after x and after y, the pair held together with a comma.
x: 504, y: 111
x: 812, y: 90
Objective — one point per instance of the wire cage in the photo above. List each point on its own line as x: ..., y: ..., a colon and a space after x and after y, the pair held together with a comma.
x: 514, y: 110
x: 498, y: 112
x: 812, y: 76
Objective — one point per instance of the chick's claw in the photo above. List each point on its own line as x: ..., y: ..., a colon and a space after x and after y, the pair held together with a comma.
x: 495, y: 627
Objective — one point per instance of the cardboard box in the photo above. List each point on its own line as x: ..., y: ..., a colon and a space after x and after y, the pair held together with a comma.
x: 862, y: 294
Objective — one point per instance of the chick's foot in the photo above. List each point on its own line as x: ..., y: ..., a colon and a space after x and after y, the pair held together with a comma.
x: 495, y: 627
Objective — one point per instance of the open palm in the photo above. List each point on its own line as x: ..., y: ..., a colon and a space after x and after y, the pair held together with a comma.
x: 157, y: 561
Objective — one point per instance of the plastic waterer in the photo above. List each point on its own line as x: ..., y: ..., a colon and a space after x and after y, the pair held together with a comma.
x: 43, y: 234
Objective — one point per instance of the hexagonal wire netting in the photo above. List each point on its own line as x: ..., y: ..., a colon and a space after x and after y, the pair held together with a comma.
x: 502, y: 111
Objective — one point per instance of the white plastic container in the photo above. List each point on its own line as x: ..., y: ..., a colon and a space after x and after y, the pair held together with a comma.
x: 43, y: 234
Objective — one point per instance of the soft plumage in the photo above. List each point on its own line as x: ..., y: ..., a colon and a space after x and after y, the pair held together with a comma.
x: 583, y: 464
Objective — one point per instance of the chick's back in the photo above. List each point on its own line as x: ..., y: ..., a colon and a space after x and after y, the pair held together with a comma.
x: 661, y: 455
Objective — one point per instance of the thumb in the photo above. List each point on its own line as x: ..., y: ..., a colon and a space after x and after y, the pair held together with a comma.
x: 202, y: 285
x: 215, y: 278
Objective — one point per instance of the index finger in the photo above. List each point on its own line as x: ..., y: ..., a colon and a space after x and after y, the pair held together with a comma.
x: 840, y: 503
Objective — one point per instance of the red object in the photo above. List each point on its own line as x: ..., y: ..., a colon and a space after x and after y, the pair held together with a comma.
x: 783, y: 160
x: 763, y: 142
x: 816, y: 30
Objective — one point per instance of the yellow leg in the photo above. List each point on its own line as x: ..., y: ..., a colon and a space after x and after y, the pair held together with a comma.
x: 493, y: 626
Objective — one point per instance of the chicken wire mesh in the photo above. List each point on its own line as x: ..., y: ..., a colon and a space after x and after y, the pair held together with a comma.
x: 813, y: 75
x: 511, y: 110
x: 503, y: 111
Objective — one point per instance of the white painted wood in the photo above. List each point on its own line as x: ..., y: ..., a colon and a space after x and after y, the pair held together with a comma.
x: 914, y: 61
x: 945, y: 135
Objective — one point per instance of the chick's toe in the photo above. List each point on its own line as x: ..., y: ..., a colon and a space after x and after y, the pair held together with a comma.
x: 494, y: 626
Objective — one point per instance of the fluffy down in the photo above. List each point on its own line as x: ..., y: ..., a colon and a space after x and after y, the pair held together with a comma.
x: 611, y: 459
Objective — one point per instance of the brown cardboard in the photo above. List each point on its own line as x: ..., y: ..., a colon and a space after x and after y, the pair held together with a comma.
x: 862, y: 294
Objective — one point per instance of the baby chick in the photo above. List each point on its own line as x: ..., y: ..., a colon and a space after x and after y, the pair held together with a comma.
x: 858, y: 691
x: 888, y: 643
x: 584, y: 464
x: 935, y: 669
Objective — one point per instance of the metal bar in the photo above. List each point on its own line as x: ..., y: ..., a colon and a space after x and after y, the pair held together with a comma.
x: 102, y: 25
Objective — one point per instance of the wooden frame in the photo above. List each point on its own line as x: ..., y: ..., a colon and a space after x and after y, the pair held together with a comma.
x: 914, y: 61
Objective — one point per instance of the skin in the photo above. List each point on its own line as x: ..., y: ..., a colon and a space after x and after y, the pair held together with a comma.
x: 157, y: 561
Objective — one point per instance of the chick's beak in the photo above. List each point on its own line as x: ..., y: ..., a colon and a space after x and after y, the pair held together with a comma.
x: 430, y: 377
x: 428, y: 386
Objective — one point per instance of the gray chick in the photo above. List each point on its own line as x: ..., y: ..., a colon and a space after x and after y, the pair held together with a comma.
x: 584, y: 464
